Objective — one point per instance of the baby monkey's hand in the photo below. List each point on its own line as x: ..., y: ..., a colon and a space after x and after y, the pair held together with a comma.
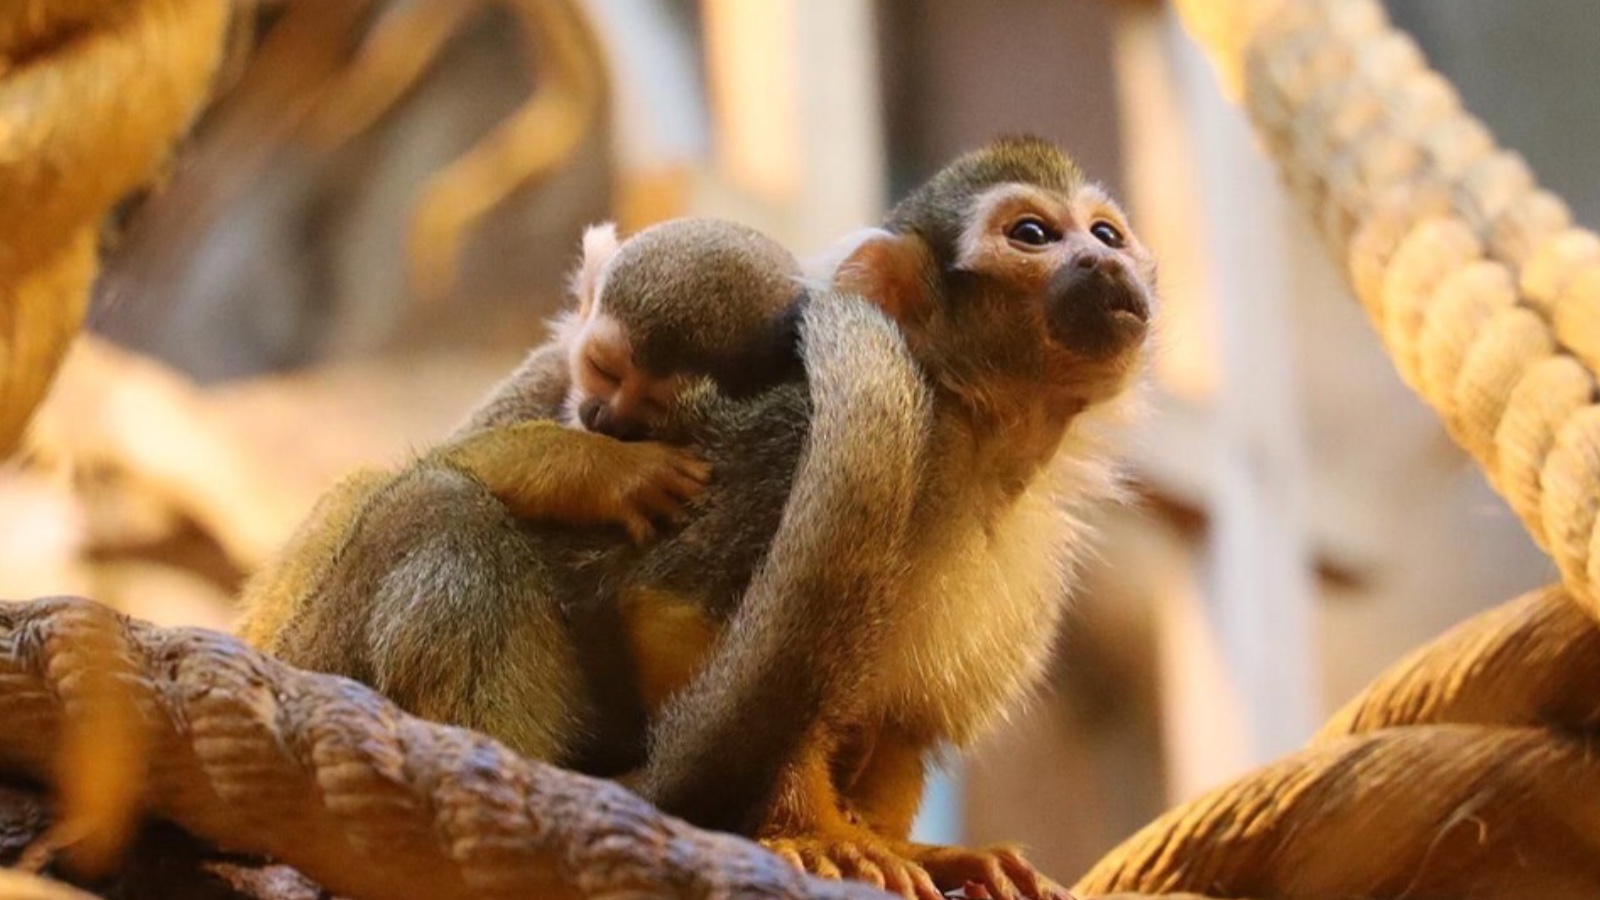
x: 541, y: 470
x: 653, y: 482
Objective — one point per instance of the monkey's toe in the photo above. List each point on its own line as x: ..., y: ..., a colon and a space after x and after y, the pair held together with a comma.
x: 867, y: 861
x: 999, y: 873
x: 640, y: 530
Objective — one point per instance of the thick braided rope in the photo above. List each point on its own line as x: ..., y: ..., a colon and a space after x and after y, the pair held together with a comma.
x: 92, y: 95
x: 1467, y: 769
x: 325, y: 775
x: 1486, y: 295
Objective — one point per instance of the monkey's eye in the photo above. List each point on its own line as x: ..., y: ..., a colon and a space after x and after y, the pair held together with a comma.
x: 606, y: 374
x: 1107, y: 234
x: 1031, y: 231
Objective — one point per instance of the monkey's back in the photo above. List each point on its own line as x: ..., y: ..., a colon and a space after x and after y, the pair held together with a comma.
x: 753, y: 445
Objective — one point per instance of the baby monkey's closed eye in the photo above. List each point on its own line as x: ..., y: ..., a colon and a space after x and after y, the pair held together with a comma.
x: 683, y: 298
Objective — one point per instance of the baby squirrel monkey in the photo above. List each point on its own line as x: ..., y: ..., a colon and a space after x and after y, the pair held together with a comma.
x: 680, y: 300
x: 354, y: 589
x: 928, y: 478
x: 690, y: 297
x: 416, y: 606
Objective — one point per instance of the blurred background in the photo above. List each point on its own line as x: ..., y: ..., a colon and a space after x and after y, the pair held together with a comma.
x: 379, y: 211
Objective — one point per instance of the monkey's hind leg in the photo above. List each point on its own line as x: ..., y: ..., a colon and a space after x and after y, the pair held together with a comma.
x: 464, y: 626
x: 297, y: 573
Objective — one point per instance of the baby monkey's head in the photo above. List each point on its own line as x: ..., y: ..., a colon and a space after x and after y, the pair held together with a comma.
x: 678, y: 300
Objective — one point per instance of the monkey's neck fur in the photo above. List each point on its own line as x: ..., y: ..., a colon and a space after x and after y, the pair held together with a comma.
x: 1005, y: 534
x: 1010, y: 443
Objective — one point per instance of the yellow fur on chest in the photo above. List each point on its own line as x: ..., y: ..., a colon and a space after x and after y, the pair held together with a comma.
x: 984, y: 622
x: 669, y: 638
x: 977, y: 638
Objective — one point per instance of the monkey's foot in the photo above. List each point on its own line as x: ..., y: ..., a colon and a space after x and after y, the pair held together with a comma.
x: 866, y: 860
x: 995, y: 873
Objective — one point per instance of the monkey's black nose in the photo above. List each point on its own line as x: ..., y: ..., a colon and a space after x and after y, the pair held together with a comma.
x: 591, y: 412
x: 598, y: 416
x: 1096, y: 306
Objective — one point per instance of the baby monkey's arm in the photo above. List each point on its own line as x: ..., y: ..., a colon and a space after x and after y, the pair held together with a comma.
x: 538, y: 469
x: 541, y: 470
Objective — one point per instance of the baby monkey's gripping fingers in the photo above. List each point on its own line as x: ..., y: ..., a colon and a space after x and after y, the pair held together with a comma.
x: 693, y: 468
x: 685, y: 475
x: 660, y: 482
x: 541, y: 470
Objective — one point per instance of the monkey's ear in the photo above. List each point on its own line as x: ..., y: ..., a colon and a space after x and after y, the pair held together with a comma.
x: 599, y: 245
x: 890, y: 270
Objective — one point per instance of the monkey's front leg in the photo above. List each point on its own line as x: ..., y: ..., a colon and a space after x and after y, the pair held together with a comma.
x: 886, y: 793
x: 541, y: 470
x: 807, y: 825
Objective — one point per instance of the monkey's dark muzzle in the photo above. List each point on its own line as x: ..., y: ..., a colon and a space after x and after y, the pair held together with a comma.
x: 597, y: 416
x: 1096, y: 308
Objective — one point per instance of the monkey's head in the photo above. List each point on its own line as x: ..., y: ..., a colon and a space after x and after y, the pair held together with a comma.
x: 677, y: 301
x: 1013, y: 276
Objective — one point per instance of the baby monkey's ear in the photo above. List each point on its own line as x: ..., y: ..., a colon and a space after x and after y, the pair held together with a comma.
x: 599, y: 245
x: 894, y: 271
